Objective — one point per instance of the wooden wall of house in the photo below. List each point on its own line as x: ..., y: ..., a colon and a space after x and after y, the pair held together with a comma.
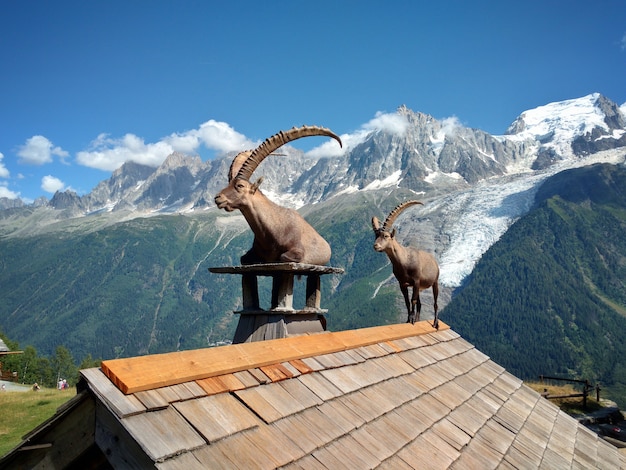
x: 60, y: 441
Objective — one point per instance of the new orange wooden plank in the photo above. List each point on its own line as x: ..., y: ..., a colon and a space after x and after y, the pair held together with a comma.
x: 147, y: 372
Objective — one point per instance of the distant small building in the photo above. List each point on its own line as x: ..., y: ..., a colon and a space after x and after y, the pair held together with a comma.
x: 396, y: 396
x: 7, y: 374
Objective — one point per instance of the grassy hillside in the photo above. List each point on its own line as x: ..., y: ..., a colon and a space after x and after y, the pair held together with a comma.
x: 21, y: 412
x: 550, y: 296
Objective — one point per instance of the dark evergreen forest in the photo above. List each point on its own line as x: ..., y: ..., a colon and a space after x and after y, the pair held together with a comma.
x: 550, y: 296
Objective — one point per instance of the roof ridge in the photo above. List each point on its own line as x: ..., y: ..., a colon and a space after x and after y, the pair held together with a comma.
x: 142, y: 373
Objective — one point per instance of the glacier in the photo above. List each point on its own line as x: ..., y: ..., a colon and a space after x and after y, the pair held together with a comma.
x: 476, y: 218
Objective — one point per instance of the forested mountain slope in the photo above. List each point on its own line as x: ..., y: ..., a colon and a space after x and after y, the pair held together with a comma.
x: 550, y: 296
x: 143, y: 286
x: 131, y: 288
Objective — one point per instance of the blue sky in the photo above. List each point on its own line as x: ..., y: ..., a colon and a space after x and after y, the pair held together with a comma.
x: 87, y: 85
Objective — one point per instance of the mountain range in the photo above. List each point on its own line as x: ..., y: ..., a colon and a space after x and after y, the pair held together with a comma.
x: 413, y: 151
x: 122, y: 270
x: 453, y: 168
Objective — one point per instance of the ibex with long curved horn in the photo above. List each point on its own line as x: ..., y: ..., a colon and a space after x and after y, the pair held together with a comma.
x: 411, y: 267
x: 280, y: 234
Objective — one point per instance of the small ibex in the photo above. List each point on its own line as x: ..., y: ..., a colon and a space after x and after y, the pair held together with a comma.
x: 411, y: 267
x: 280, y: 234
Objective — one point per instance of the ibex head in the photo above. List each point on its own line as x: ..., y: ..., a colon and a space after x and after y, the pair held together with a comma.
x: 243, y: 165
x: 384, y: 234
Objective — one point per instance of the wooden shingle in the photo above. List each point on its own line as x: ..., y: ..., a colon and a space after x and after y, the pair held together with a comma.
x: 452, y: 434
x: 345, y: 419
x: 217, y: 416
x: 270, y: 402
x: 277, y: 372
x: 301, y: 394
x: 429, y: 450
x: 470, y: 416
x: 359, y: 404
x: 351, y: 453
x: 386, y: 436
x: 220, y: 384
x: 122, y: 405
x: 152, y: 399
x: 321, y: 386
x: 163, y: 433
x: 271, y: 444
x: 307, y: 437
x: 478, y: 454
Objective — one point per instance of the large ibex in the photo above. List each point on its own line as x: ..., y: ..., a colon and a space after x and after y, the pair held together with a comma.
x: 280, y: 234
x: 411, y: 267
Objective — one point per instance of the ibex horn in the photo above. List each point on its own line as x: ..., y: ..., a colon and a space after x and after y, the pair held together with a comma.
x: 375, y: 224
x: 393, y: 215
x: 236, y: 163
x: 277, y: 141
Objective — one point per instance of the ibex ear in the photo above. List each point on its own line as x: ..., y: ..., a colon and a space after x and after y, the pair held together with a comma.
x: 393, y: 233
x: 375, y: 224
x: 256, y: 185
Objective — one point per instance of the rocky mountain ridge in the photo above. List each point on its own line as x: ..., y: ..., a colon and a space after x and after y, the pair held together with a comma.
x: 422, y: 153
x: 474, y: 185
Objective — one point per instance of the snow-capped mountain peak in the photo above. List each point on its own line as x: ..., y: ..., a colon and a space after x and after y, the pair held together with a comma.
x: 557, y: 125
x: 575, y: 115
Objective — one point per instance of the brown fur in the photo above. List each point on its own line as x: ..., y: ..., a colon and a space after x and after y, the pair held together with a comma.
x: 280, y: 234
x: 412, y: 267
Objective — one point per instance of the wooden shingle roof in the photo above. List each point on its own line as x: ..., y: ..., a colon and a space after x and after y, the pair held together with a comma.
x: 399, y: 396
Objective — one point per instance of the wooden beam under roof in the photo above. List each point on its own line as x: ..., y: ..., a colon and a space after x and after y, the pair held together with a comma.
x: 142, y: 373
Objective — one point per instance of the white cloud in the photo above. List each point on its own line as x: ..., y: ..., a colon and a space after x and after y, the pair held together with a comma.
x: 106, y: 153
x: 6, y: 192
x: 331, y: 148
x: 449, y: 126
x: 186, y: 143
x: 214, y: 135
x: 223, y: 138
x: 4, y: 172
x: 51, y: 184
x: 623, y: 42
x: 393, y: 123
x: 39, y: 150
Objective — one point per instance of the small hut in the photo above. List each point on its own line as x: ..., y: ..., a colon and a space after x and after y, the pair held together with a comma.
x: 5, y: 374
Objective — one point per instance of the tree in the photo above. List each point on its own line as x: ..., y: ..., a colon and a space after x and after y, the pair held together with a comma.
x: 63, y: 365
x: 89, y: 362
x: 44, y: 372
x: 28, y: 370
